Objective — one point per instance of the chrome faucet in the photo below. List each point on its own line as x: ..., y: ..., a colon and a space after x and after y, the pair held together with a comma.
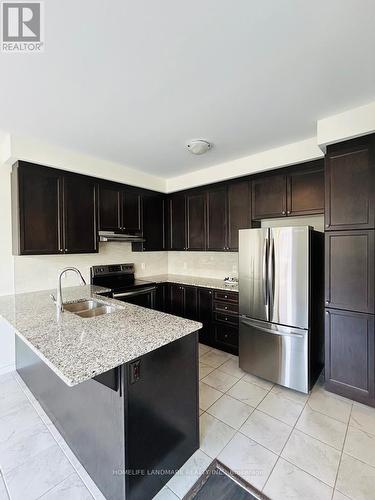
x: 58, y: 300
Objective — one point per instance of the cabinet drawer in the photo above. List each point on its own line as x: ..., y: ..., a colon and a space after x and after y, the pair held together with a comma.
x: 226, y: 335
x: 226, y: 296
x: 227, y: 319
x: 226, y: 307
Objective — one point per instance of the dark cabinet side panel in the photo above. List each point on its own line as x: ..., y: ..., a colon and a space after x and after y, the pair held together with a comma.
x: 36, y: 201
x: 239, y: 209
x: 217, y: 218
x: 306, y: 191
x: 153, y: 222
x: 80, y: 215
x: 350, y: 270
x: 269, y: 197
x: 131, y: 210
x: 205, y: 303
x: 349, y: 355
x: 177, y: 222
x: 350, y: 180
x: 109, y: 207
x: 196, y: 221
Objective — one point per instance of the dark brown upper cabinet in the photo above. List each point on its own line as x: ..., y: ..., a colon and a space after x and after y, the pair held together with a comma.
x: 305, y: 191
x: 196, y: 221
x: 300, y: 191
x: 131, y: 210
x: 177, y: 222
x: 153, y: 222
x: 239, y: 211
x: 110, y: 207
x: 350, y: 181
x: 217, y: 218
x: 120, y: 208
x: 269, y: 197
x: 79, y: 228
x: 36, y: 205
x: 350, y: 355
x: 54, y: 211
x: 349, y: 272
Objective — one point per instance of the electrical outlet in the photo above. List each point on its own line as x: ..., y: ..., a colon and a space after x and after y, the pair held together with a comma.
x: 185, y: 265
x: 143, y: 265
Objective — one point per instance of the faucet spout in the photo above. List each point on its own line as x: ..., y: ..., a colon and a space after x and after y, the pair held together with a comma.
x: 58, y: 301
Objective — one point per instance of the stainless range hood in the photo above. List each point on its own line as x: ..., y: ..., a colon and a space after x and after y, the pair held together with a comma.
x: 120, y: 237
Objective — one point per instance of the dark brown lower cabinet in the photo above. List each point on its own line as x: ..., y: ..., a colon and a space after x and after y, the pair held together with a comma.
x: 226, y: 337
x: 350, y: 355
x: 216, y: 310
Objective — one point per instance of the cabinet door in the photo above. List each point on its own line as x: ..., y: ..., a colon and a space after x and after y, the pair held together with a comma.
x: 110, y: 207
x: 205, y: 305
x: 161, y: 296
x: 131, y: 210
x: 80, y: 215
x: 177, y: 300
x: 217, y: 218
x: 350, y: 270
x: 153, y: 222
x: 191, y: 302
x: 36, y: 210
x: 350, y: 181
x: 269, y: 197
x: 177, y: 222
x: 196, y: 225
x: 349, y: 346
x: 239, y: 208
x: 306, y: 191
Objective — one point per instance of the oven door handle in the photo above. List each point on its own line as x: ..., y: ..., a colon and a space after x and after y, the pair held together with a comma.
x: 133, y: 294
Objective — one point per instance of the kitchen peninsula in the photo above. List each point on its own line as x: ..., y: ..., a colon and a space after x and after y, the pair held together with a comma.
x: 121, y: 387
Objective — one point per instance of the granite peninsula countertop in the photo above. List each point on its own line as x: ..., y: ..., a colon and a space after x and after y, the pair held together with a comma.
x: 193, y: 281
x: 78, y: 349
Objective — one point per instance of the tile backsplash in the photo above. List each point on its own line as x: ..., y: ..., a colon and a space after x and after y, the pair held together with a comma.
x: 39, y: 272
x: 204, y: 264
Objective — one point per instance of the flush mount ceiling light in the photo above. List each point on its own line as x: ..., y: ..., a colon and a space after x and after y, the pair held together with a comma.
x: 198, y: 147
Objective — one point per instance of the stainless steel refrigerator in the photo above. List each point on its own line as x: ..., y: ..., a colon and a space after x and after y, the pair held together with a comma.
x: 281, y: 304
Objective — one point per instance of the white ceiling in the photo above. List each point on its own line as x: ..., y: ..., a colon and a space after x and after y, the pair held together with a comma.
x: 132, y: 81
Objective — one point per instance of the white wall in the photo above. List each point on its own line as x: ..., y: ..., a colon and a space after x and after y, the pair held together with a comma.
x: 283, y: 156
x: 23, y: 148
x: 316, y: 221
x: 352, y: 123
x: 6, y: 268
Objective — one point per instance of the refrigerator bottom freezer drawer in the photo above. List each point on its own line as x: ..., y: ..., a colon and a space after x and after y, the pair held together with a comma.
x: 276, y: 353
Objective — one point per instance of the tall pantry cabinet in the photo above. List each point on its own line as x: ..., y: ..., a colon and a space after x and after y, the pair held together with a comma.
x: 350, y: 269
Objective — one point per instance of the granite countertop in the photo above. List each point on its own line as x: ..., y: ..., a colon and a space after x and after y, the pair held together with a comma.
x: 193, y: 281
x: 78, y: 349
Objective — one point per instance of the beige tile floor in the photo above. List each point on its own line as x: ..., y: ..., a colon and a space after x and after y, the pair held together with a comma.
x: 289, y: 445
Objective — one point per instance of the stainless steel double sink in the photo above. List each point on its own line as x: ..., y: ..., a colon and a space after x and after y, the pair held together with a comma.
x: 89, y: 308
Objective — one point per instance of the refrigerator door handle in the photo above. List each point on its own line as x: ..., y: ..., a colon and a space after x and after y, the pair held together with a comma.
x: 289, y: 332
x: 264, y: 271
x: 271, y: 272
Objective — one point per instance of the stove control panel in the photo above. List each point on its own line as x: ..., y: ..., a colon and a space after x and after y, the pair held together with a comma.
x: 113, y: 269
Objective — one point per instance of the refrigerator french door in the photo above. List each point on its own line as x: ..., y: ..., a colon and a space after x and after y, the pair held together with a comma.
x: 274, y: 275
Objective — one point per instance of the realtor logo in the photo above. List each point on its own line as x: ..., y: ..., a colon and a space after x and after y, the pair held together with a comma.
x: 22, y: 27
